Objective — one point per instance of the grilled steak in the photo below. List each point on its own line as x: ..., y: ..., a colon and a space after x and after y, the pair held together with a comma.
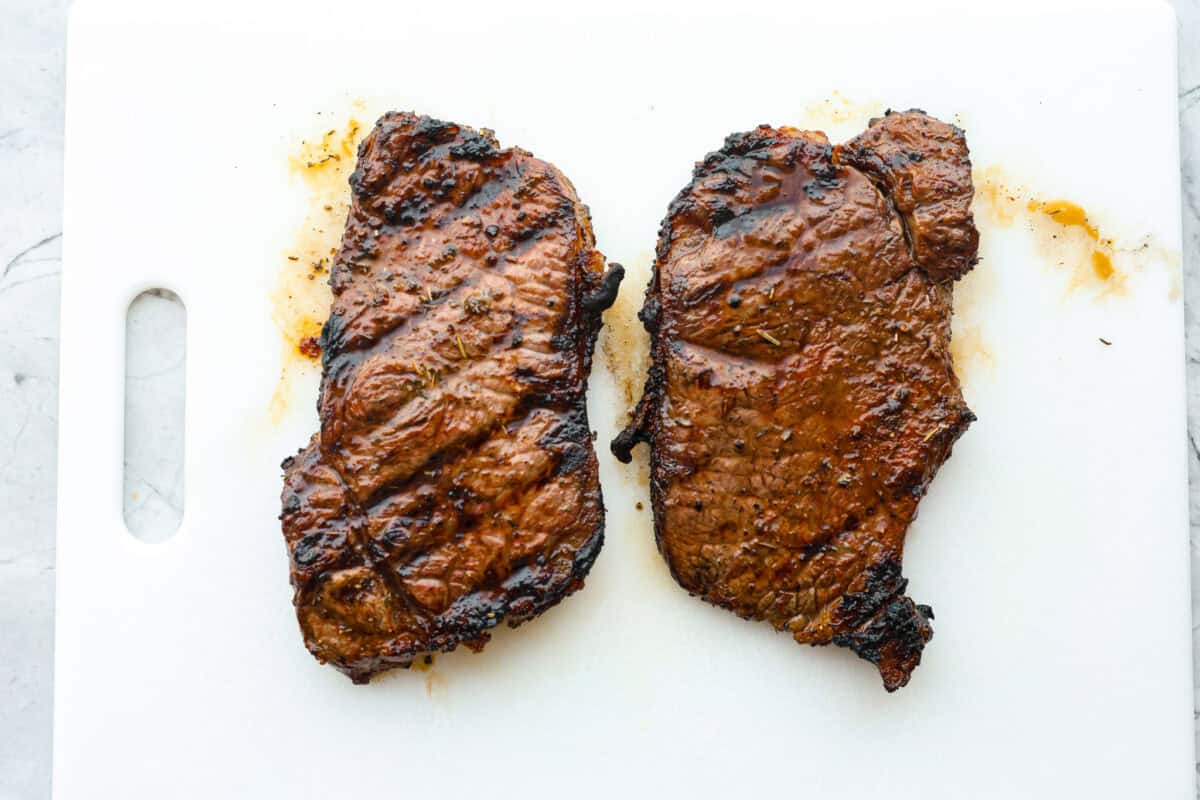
x: 802, y: 394
x: 453, y: 484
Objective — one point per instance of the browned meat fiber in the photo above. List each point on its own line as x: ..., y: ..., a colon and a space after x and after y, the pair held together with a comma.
x: 453, y: 483
x: 801, y: 395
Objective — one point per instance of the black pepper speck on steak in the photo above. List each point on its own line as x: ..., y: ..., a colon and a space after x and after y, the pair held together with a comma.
x: 453, y: 484
x: 802, y: 395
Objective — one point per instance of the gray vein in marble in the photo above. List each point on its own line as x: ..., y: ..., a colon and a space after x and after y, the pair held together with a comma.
x: 19, y: 257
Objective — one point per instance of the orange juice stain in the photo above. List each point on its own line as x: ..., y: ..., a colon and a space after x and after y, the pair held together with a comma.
x: 435, y: 682
x: 623, y: 340
x: 1071, y: 215
x: 1065, y: 212
x: 328, y: 153
x: 1097, y: 264
x: 310, y: 346
x: 998, y: 197
x: 300, y: 301
x: 971, y: 353
x: 838, y: 116
x: 1102, y: 265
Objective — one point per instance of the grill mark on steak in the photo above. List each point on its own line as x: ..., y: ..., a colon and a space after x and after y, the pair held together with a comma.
x: 453, y: 484
x: 801, y: 396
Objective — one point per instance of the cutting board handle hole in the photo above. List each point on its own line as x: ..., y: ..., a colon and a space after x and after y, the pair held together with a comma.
x: 155, y: 365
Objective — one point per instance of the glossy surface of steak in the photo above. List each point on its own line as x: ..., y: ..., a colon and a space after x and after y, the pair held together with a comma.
x: 802, y: 394
x: 453, y: 483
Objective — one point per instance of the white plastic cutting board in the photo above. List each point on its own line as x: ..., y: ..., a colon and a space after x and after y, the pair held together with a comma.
x: 1052, y: 546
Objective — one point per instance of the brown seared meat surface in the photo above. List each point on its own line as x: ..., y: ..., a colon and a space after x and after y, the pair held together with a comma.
x: 802, y: 394
x: 453, y: 484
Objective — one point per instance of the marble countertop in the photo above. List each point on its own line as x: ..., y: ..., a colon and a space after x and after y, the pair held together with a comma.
x: 32, y: 48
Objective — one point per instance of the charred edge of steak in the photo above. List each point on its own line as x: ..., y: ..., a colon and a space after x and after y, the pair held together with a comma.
x: 603, y: 298
x: 640, y: 424
x: 642, y: 419
x: 571, y: 437
x: 883, y: 626
x: 524, y: 595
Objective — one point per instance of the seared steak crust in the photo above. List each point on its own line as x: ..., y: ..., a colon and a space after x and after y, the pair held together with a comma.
x: 802, y: 394
x: 453, y: 483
